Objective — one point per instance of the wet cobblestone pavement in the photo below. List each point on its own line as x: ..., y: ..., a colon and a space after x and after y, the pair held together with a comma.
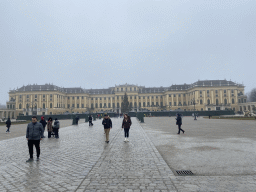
x: 81, y: 161
x: 220, y: 153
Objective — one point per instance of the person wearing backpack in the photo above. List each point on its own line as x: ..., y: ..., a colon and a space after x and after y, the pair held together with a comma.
x: 90, y: 121
x: 56, y: 127
x: 179, y: 123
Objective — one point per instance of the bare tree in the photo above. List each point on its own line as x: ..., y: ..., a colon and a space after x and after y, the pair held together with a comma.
x: 252, y: 95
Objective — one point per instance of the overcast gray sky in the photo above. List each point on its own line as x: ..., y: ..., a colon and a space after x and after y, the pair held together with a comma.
x: 99, y: 43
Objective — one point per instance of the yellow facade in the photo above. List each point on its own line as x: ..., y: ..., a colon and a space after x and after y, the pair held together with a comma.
x: 49, y: 99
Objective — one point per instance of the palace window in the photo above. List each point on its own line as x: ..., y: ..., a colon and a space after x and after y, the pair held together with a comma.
x: 109, y: 105
x: 174, y: 103
x: 233, y: 101
x: 170, y: 103
x: 96, y: 105
x: 82, y: 97
x: 92, y: 106
x: 170, y: 95
x: 43, y: 105
x: 19, y: 106
x: 179, y: 95
x: 105, y: 98
x: 134, y: 97
x: 156, y: 103
x: 68, y: 105
x: 144, y: 104
x: 130, y: 89
x: 73, y: 105
x: 121, y: 89
x: 224, y: 90
x: 174, y: 95
x: 201, y: 101
x: 77, y: 105
x: 208, y: 91
x: 217, y: 102
x: 201, y: 92
x: 50, y: 105
x: 208, y: 102
x: 73, y: 98
x: 148, y: 104
x: 143, y: 97
x: 100, y: 105
x: 27, y: 96
x: 130, y: 97
x: 225, y: 101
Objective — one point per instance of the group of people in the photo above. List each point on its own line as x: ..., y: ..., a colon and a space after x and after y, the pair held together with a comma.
x: 126, y: 124
x: 35, y: 133
x: 35, y: 130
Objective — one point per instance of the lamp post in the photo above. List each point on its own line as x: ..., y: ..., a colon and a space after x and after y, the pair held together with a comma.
x: 193, y: 101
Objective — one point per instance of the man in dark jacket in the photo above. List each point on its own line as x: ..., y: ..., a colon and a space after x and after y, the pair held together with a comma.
x: 90, y: 121
x: 77, y: 119
x: 8, y: 125
x: 179, y: 123
x: 43, y: 122
x: 35, y: 133
x: 56, y: 127
x: 107, y: 126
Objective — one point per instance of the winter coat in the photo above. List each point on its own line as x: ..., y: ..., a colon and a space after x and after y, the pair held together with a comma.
x: 107, y: 123
x: 35, y: 131
x: 56, y: 124
x: 8, y: 123
x: 43, y: 122
x: 179, y: 120
x: 126, y: 123
x: 49, y: 126
x: 90, y: 118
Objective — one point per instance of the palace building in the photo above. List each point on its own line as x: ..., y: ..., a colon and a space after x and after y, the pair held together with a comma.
x: 201, y: 95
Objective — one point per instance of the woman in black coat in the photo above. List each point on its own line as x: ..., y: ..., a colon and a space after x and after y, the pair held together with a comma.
x: 126, y: 126
x: 179, y: 123
x: 8, y: 125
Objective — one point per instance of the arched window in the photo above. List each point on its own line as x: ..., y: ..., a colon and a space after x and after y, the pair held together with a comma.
x: 233, y: 101
x: 201, y: 101
x: 20, y: 106
x: 208, y: 102
x: 225, y: 101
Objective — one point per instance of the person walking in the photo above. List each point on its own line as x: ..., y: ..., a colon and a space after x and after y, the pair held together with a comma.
x: 77, y: 119
x: 49, y: 127
x: 35, y: 133
x: 43, y: 122
x: 107, y: 126
x: 179, y: 123
x: 126, y: 126
x: 8, y: 125
x: 56, y: 127
x: 90, y: 120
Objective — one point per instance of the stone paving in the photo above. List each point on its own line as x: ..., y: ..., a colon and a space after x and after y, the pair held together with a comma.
x: 81, y: 160
x: 220, y: 153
